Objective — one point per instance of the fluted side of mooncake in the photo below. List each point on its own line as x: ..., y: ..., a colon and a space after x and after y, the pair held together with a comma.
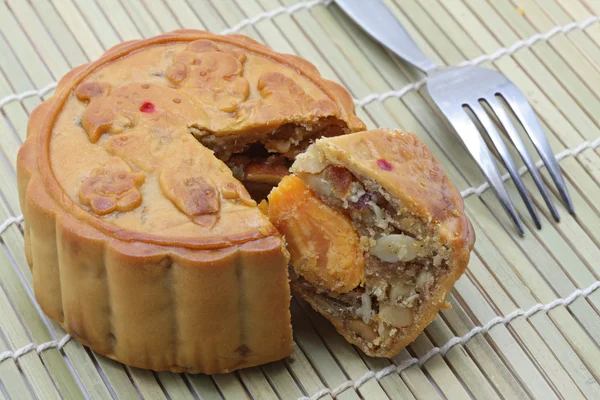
x: 152, y: 306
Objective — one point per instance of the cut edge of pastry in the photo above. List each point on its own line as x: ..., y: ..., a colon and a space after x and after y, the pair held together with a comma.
x: 382, y: 301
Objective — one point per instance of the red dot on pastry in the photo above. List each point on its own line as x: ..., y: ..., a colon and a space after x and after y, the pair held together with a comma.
x: 384, y: 164
x: 147, y: 107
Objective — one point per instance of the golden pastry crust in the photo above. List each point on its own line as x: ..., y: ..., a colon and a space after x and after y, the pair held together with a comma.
x: 142, y: 244
x: 416, y: 236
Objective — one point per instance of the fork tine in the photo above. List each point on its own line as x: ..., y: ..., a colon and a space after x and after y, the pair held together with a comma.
x: 522, y: 109
x: 493, y: 133
x: 473, y: 141
x: 518, y: 142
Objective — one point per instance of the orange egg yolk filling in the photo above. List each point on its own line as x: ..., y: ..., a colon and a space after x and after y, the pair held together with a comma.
x: 324, y: 246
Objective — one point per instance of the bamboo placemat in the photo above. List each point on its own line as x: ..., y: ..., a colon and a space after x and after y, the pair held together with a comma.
x: 525, y: 320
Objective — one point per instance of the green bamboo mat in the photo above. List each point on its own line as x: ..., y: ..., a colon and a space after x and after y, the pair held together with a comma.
x: 525, y: 320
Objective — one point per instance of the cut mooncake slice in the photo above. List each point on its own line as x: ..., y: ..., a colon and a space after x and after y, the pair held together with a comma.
x: 377, y: 235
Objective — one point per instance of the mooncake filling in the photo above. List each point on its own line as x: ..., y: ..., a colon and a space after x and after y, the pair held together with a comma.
x: 400, y: 265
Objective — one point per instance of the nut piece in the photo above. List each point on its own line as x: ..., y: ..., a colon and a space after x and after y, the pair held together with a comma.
x: 396, y: 316
x: 425, y: 278
x: 318, y: 184
x: 361, y: 329
x: 394, y: 248
x: 399, y: 291
x: 366, y: 308
x: 380, y: 220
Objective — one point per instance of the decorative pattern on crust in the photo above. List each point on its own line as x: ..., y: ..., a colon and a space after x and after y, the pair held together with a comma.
x: 112, y: 151
x: 112, y: 187
x: 215, y: 73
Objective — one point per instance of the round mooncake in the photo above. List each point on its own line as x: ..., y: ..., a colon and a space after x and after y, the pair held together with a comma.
x: 143, y: 244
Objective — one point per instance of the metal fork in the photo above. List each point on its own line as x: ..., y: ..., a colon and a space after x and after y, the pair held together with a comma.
x: 456, y: 89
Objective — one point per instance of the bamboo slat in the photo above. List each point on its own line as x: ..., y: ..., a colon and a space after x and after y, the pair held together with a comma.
x: 548, y: 355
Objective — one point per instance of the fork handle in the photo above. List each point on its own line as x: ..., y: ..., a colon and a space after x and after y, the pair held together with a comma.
x: 378, y: 21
